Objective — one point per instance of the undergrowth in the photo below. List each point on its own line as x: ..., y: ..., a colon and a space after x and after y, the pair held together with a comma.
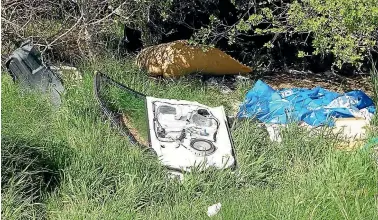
x: 71, y: 164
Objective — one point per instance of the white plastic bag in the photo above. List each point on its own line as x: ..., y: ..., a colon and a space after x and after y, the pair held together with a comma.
x: 214, y: 209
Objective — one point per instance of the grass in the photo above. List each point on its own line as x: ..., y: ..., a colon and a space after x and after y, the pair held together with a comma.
x: 70, y: 164
x: 131, y: 107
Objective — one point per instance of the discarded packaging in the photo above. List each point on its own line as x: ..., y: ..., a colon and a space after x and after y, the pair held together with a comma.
x: 351, y: 130
x: 214, y: 209
x: 178, y: 58
x: 274, y: 132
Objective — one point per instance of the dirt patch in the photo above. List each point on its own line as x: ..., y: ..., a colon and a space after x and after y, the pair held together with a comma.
x: 327, y: 80
x: 134, y: 131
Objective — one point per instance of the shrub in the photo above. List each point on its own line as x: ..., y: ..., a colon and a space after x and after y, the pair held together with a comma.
x: 73, y: 30
x: 346, y: 29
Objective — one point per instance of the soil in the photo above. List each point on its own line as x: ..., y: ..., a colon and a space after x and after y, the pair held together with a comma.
x: 327, y: 80
x: 134, y: 131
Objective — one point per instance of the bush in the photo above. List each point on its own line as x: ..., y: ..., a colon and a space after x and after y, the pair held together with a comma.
x: 249, y: 30
x: 76, y: 30
x: 346, y: 29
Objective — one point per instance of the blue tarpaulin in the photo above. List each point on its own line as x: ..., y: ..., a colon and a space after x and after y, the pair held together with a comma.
x: 317, y: 106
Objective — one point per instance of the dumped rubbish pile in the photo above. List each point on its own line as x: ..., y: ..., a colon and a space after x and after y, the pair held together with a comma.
x: 185, y: 135
x: 348, y: 113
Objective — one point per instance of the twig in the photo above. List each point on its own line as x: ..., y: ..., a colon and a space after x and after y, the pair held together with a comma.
x: 62, y: 35
x: 107, y: 16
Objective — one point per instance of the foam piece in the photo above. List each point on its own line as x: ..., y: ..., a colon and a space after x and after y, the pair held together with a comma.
x: 178, y: 58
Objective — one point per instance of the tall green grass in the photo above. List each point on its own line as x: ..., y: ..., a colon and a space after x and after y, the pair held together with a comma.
x: 76, y: 166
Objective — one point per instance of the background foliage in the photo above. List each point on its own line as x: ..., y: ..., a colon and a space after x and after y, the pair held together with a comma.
x: 257, y: 32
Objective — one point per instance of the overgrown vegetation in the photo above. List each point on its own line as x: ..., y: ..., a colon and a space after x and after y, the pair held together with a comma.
x: 132, y: 110
x: 86, y: 170
x: 345, y: 29
x: 69, y: 163
x: 259, y: 33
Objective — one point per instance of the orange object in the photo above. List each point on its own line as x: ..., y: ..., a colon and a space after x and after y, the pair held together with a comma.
x: 178, y: 58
